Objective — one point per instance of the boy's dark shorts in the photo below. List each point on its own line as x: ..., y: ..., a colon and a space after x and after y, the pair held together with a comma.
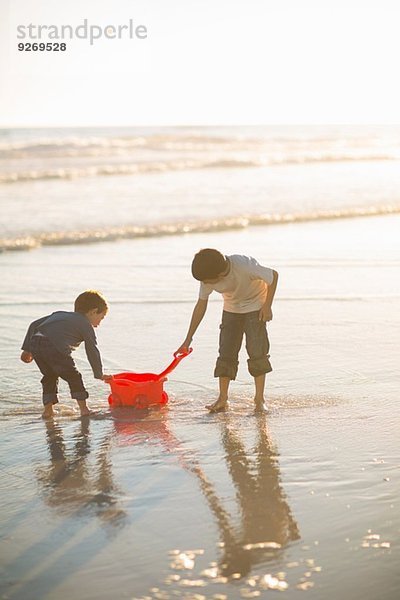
x: 53, y: 364
x: 232, y: 329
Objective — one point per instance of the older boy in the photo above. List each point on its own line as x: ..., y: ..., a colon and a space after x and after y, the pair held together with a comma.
x: 248, y: 290
x: 50, y: 341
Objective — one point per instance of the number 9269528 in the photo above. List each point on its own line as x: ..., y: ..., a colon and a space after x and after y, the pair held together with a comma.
x: 42, y: 47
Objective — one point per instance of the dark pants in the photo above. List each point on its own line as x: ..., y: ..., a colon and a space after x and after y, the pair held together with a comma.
x: 53, y: 364
x: 232, y: 329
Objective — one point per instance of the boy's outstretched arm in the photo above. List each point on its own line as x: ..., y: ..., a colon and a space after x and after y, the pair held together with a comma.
x: 197, y: 316
x: 266, y: 310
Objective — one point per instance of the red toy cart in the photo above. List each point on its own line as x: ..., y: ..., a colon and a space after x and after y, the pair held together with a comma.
x: 141, y: 390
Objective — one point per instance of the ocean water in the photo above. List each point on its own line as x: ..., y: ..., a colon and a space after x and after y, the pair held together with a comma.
x: 177, y: 502
x: 86, y: 185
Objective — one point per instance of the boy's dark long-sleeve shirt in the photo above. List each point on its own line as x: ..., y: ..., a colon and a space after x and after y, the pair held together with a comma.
x: 66, y: 331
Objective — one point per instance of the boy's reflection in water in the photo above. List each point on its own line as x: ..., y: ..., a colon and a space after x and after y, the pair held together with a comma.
x: 265, y: 516
x: 71, y: 483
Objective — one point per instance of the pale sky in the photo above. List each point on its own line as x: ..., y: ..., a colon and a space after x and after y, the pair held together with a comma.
x: 218, y: 62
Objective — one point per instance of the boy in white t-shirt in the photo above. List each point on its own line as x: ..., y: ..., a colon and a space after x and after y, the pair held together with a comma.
x: 248, y: 290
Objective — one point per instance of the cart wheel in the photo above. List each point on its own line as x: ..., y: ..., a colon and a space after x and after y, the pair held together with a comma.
x: 164, y: 398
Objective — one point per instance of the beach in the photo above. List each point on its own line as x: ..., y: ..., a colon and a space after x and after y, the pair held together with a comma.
x: 176, y: 502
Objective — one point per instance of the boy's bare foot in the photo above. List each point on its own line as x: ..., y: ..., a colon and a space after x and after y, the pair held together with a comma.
x: 85, y: 412
x: 260, y: 406
x: 48, y: 412
x: 219, y: 405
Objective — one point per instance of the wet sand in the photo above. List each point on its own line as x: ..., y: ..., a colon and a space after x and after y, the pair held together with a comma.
x: 180, y: 503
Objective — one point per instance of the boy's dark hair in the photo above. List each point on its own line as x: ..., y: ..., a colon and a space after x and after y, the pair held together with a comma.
x: 89, y: 300
x: 208, y: 264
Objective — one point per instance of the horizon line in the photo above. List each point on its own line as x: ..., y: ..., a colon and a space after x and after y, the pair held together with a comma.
x: 294, y: 124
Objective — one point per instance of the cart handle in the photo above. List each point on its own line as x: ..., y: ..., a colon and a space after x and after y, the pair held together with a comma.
x: 177, y: 359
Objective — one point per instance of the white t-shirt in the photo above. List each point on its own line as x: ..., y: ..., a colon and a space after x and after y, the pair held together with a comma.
x: 244, y: 288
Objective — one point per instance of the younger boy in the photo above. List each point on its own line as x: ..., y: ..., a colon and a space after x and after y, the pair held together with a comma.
x: 248, y: 290
x: 50, y: 341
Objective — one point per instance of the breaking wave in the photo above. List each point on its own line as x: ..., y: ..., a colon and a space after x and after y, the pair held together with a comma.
x: 119, y: 169
x: 69, y: 154
x: 107, y: 234
x: 177, y: 165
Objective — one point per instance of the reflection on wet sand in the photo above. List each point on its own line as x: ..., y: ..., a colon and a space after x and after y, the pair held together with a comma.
x: 79, y: 481
x: 266, y: 522
x: 71, y: 483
